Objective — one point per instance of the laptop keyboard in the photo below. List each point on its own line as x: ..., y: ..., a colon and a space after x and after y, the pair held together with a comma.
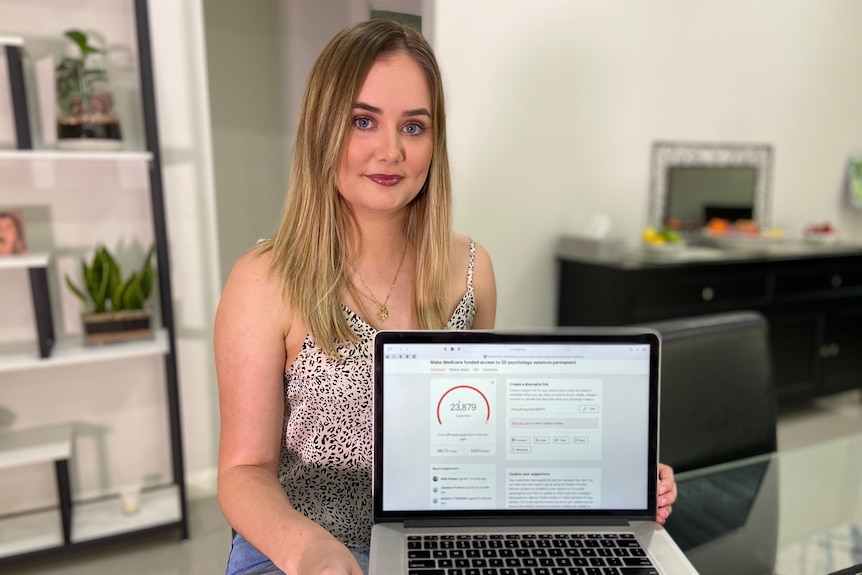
x: 527, y: 554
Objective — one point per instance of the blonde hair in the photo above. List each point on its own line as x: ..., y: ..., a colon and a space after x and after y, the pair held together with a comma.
x: 313, y: 243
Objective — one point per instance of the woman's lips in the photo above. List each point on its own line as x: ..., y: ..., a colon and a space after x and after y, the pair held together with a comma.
x: 384, y: 179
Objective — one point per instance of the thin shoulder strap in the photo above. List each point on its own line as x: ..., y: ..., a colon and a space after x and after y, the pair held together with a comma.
x: 470, y: 265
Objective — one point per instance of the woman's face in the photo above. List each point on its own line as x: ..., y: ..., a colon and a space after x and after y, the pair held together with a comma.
x: 8, y: 236
x: 390, y: 145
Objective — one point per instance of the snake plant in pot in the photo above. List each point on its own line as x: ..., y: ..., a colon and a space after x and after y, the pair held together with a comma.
x: 115, y: 308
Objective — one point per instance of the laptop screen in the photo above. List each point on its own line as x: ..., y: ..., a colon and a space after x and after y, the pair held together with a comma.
x: 483, y: 423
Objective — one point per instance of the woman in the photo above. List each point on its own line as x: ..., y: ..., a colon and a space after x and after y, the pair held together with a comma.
x: 365, y: 243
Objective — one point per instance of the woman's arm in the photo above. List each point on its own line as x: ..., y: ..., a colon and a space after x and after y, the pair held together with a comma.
x: 251, y: 327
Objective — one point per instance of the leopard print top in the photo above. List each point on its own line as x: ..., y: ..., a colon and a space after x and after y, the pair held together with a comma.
x: 326, y: 455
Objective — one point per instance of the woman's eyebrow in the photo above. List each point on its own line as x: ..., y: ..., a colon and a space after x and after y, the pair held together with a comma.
x: 376, y: 110
x: 367, y: 107
x: 418, y: 112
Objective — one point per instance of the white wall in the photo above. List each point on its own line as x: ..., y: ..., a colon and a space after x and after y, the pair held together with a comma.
x: 306, y: 29
x: 553, y: 105
x: 243, y: 51
x: 182, y: 101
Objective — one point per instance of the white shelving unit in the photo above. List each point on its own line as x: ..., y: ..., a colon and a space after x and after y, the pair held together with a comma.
x: 18, y: 156
x: 13, y: 46
x: 45, y: 169
x: 42, y: 529
x: 11, y: 40
x: 35, y: 445
x: 86, y: 520
x: 163, y: 505
x: 105, y: 518
x: 24, y: 261
x: 71, y: 351
x: 36, y: 265
x: 31, y: 533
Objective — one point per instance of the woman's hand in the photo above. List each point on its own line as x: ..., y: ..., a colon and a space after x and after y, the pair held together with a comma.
x: 666, y: 492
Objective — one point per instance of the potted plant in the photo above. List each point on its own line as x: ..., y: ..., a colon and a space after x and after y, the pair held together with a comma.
x: 85, y: 102
x: 115, y: 308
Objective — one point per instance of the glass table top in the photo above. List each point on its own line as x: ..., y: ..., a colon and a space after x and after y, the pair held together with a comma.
x: 794, y: 512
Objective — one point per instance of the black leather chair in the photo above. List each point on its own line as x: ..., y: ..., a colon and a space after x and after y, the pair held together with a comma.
x: 717, y: 398
x: 717, y: 405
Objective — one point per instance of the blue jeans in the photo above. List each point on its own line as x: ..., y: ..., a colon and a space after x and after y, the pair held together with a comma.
x: 244, y: 559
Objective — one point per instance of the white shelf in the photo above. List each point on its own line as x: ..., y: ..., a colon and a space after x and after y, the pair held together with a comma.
x: 74, y: 156
x: 40, y: 530
x: 35, y: 445
x: 11, y: 40
x: 71, y: 351
x: 105, y: 517
x: 30, y: 532
x: 24, y: 261
x: 50, y: 171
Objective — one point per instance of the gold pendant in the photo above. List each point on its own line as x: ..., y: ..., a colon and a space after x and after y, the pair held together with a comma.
x: 383, y: 313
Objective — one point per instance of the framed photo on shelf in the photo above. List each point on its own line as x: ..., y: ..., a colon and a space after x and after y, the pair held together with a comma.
x: 13, y: 240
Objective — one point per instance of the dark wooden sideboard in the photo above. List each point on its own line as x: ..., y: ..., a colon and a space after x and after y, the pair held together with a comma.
x: 811, y: 296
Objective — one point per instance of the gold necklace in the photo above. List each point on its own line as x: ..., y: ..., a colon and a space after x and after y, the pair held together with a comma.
x: 384, y: 311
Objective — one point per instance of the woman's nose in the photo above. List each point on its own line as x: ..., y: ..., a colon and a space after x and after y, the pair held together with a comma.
x: 391, y: 146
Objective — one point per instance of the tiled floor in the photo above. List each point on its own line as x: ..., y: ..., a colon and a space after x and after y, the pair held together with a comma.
x: 205, y: 552
x: 822, y: 419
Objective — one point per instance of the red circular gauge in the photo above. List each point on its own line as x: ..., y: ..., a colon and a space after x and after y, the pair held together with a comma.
x: 468, y: 405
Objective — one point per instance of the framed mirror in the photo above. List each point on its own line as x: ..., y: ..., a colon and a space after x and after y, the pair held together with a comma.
x: 694, y: 182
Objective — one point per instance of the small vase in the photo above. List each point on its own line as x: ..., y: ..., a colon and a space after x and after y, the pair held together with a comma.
x: 86, y: 118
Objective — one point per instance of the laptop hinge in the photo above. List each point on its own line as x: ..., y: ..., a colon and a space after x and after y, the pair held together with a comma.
x: 516, y: 522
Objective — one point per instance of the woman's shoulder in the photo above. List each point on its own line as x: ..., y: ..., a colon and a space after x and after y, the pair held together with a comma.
x: 464, y: 248
x: 253, y: 297
x: 253, y: 281
x: 477, y: 263
x: 254, y: 265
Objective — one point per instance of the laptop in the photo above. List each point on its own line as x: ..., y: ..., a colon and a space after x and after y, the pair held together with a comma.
x: 518, y: 453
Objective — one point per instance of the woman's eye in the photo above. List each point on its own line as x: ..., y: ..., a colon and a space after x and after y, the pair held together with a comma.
x: 414, y: 129
x: 362, y: 123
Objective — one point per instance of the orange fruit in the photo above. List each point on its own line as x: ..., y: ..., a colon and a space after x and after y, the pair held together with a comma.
x: 718, y: 225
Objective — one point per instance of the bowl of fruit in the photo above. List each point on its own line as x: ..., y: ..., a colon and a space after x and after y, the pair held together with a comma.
x: 740, y: 234
x: 824, y: 233
x: 662, y: 240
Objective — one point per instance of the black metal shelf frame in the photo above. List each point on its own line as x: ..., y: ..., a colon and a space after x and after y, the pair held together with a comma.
x: 148, y: 97
x: 14, y: 60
